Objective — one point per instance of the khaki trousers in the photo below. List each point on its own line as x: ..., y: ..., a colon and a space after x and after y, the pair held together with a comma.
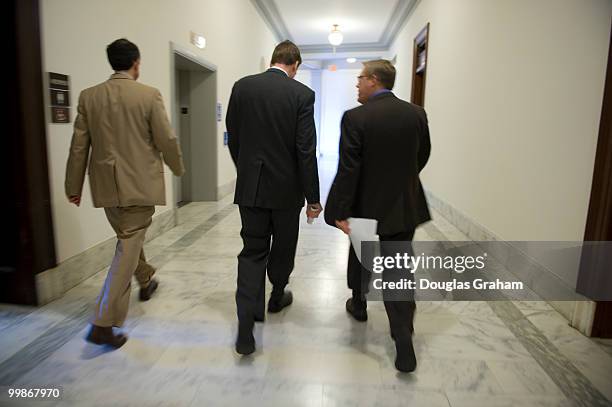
x: 130, y: 224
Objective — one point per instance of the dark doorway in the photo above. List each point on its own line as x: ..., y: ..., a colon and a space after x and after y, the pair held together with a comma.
x: 195, y: 113
x: 27, y: 242
x: 419, y: 67
x: 595, y: 274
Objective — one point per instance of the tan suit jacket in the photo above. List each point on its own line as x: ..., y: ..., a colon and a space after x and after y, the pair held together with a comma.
x: 125, y: 124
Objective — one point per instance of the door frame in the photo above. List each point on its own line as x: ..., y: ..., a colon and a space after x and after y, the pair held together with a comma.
x: 419, y: 72
x: 30, y: 241
x: 599, y: 218
x: 177, y: 49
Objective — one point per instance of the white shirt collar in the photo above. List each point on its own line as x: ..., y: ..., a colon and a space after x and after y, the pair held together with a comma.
x: 280, y: 69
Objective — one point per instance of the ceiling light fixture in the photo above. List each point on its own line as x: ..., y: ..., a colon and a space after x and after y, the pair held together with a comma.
x: 351, y: 60
x: 335, y: 37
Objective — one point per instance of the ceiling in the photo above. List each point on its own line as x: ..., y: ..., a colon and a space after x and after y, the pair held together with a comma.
x: 369, y: 27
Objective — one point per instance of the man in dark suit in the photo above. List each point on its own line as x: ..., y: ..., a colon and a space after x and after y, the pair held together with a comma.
x: 272, y: 140
x: 384, y: 145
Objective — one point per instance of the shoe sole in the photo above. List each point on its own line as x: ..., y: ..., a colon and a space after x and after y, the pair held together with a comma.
x: 245, y: 349
x: 359, y: 319
x: 275, y: 310
x: 98, y: 342
x: 362, y: 318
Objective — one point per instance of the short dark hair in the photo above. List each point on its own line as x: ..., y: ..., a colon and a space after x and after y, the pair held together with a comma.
x: 122, y: 54
x: 286, y: 53
x: 382, y: 70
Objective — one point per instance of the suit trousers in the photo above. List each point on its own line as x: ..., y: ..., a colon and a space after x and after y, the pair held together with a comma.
x: 130, y: 224
x: 400, y: 311
x: 269, y: 242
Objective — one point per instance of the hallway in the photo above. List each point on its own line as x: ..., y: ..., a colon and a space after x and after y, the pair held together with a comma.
x: 517, y: 128
x: 180, y: 351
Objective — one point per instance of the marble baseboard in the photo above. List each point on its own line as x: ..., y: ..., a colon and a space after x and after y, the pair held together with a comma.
x: 535, y: 276
x: 468, y: 226
x: 162, y: 223
x: 226, y: 189
x: 52, y: 284
x: 583, y: 316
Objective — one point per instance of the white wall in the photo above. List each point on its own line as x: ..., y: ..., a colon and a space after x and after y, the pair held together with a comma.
x: 338, y: 94
x: 514, y: 93
x: 304, y: 76
x: 312, y: 79
x: 74, y: 37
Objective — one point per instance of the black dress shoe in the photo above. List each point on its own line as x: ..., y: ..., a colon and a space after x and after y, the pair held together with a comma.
x: 105, y: 336
x: 245, y: 348
x: 276, y: 305
x: 359, y: 313
x: 245, y: 343
x: 405, y: 361
x: 147, y: 292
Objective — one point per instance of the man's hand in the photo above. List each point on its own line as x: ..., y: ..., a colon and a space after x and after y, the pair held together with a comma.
x: 343, y: 225
x: 313, y: 210
x: 75, y: 199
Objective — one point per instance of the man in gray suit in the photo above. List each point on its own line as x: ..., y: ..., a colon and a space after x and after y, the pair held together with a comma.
x: 125, y: 126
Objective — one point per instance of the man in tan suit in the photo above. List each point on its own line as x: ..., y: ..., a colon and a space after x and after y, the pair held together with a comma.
x: 126, y: 126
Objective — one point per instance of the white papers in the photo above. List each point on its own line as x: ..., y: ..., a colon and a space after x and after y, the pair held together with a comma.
x: 362, y: 230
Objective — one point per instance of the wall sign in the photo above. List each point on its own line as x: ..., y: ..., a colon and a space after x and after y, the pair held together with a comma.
x: 60, y: 114
x: 59, y: 97
x: 219, y: 112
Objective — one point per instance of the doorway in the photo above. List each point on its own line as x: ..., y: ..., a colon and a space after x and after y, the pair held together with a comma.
x: 195, y: 124
x: 28, y: 246
x: 419, y: 67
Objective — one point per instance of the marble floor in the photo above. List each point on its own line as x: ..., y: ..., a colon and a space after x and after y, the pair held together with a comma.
x: 180, y: 352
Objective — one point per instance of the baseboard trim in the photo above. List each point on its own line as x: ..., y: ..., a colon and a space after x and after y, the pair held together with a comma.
x: 536, y: 276
x: 226, y: 189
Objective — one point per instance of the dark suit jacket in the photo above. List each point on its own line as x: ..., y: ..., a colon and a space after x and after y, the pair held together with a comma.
x: 272, y: 140
x: 384, y: 145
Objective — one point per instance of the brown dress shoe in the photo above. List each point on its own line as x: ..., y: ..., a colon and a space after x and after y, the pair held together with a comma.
x: 147, y: 292
x: 105, y: 336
